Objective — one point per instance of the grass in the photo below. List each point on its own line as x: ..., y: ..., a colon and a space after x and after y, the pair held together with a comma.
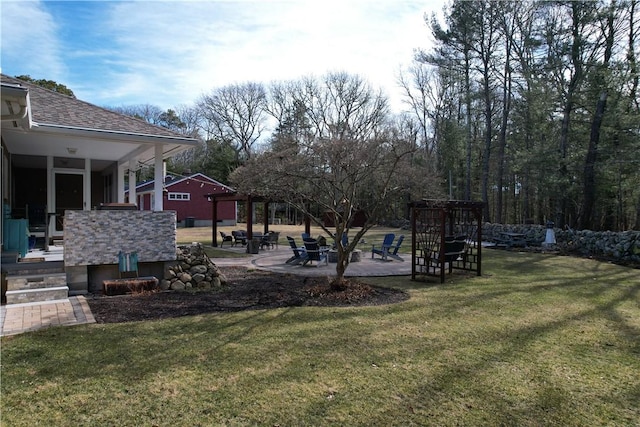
x: 538, y: 340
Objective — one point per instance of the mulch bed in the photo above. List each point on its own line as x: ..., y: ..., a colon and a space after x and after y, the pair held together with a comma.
x: 246, y: 290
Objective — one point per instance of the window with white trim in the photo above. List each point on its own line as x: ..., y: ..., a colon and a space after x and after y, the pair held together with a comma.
x: 179, y: 196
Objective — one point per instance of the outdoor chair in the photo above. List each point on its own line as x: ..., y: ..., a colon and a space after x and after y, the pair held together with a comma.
x: 384, y: 248
x: 299, y: 253
x: 265, y: 241
x: 322, y: 241
x: 315, y: 253
x: 345, y: 241
x: 455, y: 248
x: 393, y: 251
x: 271, y: 239
x: 225, y: 238
x: 239, y: 236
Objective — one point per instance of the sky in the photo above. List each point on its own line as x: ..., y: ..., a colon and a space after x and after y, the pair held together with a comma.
x: 170, y: 53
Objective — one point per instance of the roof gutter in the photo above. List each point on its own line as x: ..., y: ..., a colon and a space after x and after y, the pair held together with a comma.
x: 113, y: 134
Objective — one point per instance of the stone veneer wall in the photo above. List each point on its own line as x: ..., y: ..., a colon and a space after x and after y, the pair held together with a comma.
x: 96, y: 237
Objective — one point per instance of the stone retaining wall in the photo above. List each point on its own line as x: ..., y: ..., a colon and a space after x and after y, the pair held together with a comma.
x: 618, y: 246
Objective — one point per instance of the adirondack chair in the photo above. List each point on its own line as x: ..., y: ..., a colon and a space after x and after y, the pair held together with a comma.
x: 345, y: 241
x: 393, y: 251
x: 383, y: 250
x: 299, y: 253
x: 315, y: 252
x: 225, y: 238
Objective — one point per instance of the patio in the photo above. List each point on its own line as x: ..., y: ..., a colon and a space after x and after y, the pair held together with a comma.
x: 275, y: 260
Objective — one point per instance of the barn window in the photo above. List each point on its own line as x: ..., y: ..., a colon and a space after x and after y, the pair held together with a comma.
x: 180, y: 196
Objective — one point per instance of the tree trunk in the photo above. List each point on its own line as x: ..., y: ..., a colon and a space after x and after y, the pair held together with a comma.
x: 637, y: 224
x: 589, y: 197
x: 487, y: 147
x: 561, y: 184
x: 467, y: 83
x: 342, y: 263
x: 506, y: 106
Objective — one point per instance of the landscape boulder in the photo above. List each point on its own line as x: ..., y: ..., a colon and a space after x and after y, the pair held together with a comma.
x: 193, y: 269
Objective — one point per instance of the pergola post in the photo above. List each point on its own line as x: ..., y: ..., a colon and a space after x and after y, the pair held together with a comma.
x: 249, y: 219
x: 214, y: 222
x: 266, y: 217
x: 215, y: 198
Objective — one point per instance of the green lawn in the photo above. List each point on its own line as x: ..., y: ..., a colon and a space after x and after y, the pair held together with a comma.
x: 538, y: 340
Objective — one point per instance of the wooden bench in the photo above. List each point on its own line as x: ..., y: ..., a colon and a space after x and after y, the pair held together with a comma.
x: 128, y: 264
x: 128, y: 285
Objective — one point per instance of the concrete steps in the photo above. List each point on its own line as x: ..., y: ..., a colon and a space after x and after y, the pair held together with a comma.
x: 36, y: 283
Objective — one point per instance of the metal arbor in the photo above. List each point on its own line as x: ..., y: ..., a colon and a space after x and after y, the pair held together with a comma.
x: 447, y: 235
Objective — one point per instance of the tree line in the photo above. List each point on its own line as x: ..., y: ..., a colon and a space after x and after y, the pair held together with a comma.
x: 530, y: 107
x: 533, y: 108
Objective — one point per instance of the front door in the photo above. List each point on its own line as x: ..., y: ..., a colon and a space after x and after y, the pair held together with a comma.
x: 68, y: 195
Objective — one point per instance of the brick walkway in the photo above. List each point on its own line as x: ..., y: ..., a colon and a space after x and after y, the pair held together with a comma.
x: 18, y: 318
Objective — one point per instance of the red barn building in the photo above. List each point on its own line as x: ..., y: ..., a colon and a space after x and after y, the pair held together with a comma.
x: 186, y: 195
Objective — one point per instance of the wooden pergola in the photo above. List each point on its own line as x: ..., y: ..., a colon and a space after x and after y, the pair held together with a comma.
x: 249, y: 200
x: 447, y: 235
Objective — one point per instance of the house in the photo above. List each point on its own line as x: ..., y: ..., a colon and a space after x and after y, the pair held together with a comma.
x: 187, y: 196
x: 64, y: 163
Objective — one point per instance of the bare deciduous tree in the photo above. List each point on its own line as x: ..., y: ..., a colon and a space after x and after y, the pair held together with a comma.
x: 356, y: 160
x: 235, y: 114
x: 147, y: 112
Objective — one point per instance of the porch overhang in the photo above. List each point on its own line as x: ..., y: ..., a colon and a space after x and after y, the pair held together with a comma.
x: 97, y: 144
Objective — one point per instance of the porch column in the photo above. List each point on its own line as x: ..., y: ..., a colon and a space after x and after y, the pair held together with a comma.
x: 87, y: 184
x: 158, y: 184
x: 133, y: 197
x: 120, y: 183
x: 50, y: 188
x: 51, y: 209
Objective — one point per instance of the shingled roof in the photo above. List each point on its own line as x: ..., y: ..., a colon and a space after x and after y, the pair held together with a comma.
x: 53, y: 108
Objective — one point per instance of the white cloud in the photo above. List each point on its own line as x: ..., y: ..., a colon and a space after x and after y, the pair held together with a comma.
x: 169, y: 53
x: 29, y: 41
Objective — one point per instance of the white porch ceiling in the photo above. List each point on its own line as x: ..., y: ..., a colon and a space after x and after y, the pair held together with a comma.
x: 91, y: 144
